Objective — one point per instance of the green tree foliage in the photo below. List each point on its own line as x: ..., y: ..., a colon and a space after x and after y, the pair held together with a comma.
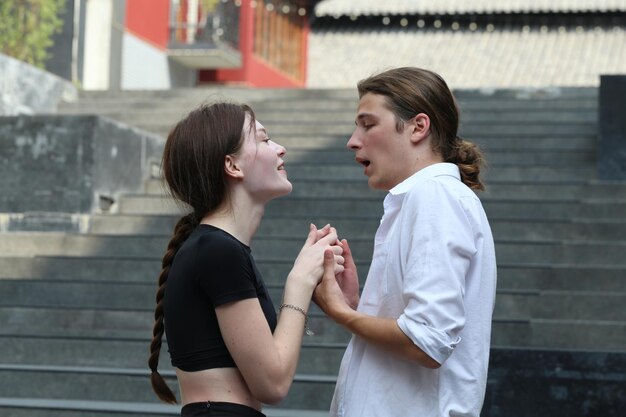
x: 27, y: 26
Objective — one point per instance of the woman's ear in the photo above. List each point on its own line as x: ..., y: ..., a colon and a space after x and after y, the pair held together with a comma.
x: 420, y: 127
x: 231, y: 167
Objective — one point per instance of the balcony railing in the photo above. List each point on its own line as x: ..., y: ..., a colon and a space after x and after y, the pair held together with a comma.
x: 205, y: 33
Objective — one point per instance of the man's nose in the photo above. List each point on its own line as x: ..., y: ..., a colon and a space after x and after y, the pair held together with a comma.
x: 353, y: 143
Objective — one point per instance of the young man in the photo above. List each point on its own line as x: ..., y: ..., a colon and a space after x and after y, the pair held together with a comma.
x: 421, y: 331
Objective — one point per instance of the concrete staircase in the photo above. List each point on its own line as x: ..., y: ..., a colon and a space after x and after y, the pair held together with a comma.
x: 76, y: 311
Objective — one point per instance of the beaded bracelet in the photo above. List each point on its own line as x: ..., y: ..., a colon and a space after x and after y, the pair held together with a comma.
x: 308, y: 331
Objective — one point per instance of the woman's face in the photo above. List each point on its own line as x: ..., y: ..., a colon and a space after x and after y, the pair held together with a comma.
x: 261, y: 161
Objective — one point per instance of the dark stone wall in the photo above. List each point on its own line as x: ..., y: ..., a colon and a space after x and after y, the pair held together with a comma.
x: 612, y: 123
x: 536, y: 383
x: 65, y: 163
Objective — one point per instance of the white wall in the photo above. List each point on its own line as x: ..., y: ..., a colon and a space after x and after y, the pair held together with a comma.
x: 146, y: 67
x: 97, y: 53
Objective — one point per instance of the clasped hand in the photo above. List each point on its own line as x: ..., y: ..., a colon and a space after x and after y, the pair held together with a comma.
x: 338, y: 289
x: 309, y: 264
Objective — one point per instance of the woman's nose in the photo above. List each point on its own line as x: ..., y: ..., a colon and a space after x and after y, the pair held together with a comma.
x: 280, y: 149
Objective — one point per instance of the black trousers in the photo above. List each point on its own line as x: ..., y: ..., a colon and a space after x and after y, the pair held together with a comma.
x: 219, y: 409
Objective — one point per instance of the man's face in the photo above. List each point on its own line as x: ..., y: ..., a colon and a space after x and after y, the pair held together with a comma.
x: 385, y: 153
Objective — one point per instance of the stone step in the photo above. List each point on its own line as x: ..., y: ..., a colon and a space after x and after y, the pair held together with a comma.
x: 503, y: 172
x: 102, y: 316
x: 124, y: 271
x: 511, y: 275
x: 327, y: 171
x: 509, y: 209
x: 562, y: 252
x: 560, y: 334
x: 273, y: 117
x: 69, y: 322
x: 470, y: 131
x: 287, y: 248
x: 544, y: 191
x: 495, y: 188
x: 496, y: 158
x: 163, y: 225
x: 44, y: 407
x: 134, y: 224
x: 60, y: 244
x: 370, y: 206
x: 521, y: 141
x: 318, y: 358
x: 589, y: 229
x: 55, y: 304
x: 313, y: 94
x: 310, y: 97
x: 514, y: 208
x: 561, y: 304
x: 315, y: 358
x: 521, y: 96
x: 573, y: 96
x: 585, y: 229
x: 128, y: 385
x: 527, y: 276
x: 90, y: 351
x: 83, y: 268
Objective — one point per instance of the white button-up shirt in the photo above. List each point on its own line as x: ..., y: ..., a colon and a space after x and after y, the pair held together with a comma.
x: 434, y: 271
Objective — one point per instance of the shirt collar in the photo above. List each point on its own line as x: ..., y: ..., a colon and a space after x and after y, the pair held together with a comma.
x: 435, y: 170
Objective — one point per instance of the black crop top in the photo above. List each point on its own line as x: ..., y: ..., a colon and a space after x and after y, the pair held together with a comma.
x: 210, y: 269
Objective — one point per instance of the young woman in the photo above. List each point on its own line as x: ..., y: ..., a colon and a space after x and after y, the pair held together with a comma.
x: 230, y: 351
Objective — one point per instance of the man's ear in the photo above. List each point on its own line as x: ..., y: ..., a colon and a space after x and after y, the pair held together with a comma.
x: 420, y: 127
x: 231, y: 167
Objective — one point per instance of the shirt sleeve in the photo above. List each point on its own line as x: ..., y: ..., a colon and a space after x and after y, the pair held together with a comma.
x: 438, y: 245
x: 225, y: 271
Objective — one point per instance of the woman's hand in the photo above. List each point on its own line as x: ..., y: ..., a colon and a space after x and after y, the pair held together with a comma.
x: 309, y: 265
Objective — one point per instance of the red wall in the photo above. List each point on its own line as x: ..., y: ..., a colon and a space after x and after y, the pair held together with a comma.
x: 255, y: 72
x: 148, y: 20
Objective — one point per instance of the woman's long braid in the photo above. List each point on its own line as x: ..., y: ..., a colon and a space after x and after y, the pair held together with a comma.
x: 182, y: 230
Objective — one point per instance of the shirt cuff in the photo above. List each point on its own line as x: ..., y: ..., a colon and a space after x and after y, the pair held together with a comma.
x: 435, y: 343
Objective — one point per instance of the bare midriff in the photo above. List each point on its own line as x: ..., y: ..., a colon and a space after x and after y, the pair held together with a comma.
x: 218, y: 384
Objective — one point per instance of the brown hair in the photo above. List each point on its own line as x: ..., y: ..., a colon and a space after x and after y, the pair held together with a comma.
x: 193, y: 169
x: 410, y: 91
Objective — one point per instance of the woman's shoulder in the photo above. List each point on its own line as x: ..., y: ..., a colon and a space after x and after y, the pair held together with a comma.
x: 218, y: 241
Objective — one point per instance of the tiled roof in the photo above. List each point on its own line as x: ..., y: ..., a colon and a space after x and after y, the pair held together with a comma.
x: 395, y: 7
x: 505, y: 58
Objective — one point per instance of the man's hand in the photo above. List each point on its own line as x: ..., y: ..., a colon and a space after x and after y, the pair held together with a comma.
x: 328, y: 295
x: 348, y: 280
